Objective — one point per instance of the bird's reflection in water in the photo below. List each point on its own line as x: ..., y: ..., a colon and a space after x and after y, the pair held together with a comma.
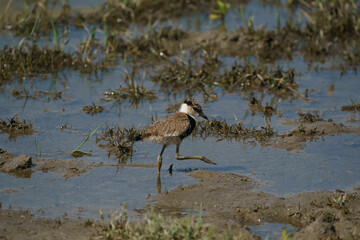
x: 158, y: 183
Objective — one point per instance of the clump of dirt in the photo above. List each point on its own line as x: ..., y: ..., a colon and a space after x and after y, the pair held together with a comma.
x: 351, y: 108
x: 93, y: 109
x: 308, y: 117
x: 15, y: 165
x: 65, y: 168
x: 119, y: 142
x: 24, y: 165
x: 16, y: 128
x: 310, y: 127
x: 232, y: 203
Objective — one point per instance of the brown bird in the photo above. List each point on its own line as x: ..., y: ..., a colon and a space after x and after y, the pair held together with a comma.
x: 173, y: 129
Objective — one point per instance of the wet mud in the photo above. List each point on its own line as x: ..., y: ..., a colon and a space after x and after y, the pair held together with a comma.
x: 310, y: 129
x: 230, y: 202
x: 24, y: 165
x: 23, y: 225
x: 233, y: 203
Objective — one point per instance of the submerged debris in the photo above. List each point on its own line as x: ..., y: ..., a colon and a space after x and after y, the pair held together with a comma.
x: 37, y: 94
x: 355, y: 107
x: 15, y: 128
x: 308, y: 117
x: 119, y: 142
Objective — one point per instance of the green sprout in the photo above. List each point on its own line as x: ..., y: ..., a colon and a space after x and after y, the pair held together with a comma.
x: 221, y: 11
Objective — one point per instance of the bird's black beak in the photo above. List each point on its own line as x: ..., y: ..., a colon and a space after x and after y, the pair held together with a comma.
x: 203, y: 115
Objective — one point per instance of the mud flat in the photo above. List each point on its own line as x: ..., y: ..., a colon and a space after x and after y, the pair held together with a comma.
x: 230, y: 204
x: 233, y: 203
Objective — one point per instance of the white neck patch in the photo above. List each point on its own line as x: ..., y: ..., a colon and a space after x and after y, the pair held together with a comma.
x: 188, y: 110
x: 184, y: 108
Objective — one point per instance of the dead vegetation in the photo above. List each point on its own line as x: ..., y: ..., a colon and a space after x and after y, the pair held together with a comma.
x: 28, y: 60
x: 309, y: 117
x: 134, y: 92
x: 329, y: 31
x: 355, y: 107
x: 118, y: 141
x: 15, y: 128
x: 93, y: 109
x: 178, y: 75
x: 36, y: 94
x: 237, y: 131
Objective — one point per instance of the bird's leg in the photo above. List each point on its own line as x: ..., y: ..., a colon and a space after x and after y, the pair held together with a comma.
x: 158, y: 183
x: 159, y: 159
x: 202, y: 158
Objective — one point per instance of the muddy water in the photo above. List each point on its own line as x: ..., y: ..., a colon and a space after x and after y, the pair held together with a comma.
x: 60, y: 126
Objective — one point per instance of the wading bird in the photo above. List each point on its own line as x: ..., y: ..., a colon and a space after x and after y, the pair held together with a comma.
x: 173, y: 129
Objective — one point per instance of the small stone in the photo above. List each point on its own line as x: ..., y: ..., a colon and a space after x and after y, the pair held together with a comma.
x: 17, y: 163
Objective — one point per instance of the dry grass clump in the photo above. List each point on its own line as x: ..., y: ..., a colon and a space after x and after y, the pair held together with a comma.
x: 119, y: 142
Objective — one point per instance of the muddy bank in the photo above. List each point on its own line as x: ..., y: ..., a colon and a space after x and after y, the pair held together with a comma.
x: 310, y: 131
x: 232, y: 203
x: 24, y: 165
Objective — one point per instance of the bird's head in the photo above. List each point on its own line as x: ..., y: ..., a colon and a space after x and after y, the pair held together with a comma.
x: 193, y: 108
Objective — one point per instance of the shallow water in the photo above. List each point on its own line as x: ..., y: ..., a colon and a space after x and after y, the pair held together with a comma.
x: 266, y: 230
x: 328, y: 164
